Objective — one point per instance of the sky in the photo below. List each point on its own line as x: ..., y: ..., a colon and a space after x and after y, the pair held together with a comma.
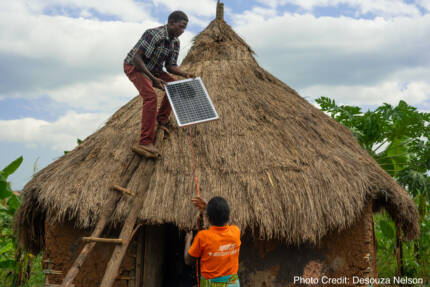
x: 61, y: 60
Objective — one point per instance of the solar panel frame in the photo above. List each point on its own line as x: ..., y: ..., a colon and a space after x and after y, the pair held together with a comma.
x: 206, y: 96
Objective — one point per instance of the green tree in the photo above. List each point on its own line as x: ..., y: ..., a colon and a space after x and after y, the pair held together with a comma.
x: 15, y: 264
x: 398, y: 138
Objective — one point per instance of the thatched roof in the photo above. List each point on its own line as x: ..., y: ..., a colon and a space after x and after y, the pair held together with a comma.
x: 288, y: 170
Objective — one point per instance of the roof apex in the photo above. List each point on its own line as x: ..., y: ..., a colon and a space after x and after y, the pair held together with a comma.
x: 220, y: 10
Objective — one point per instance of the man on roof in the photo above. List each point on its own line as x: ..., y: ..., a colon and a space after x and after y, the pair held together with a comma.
x: 143, y: 65
x: 218, y: 247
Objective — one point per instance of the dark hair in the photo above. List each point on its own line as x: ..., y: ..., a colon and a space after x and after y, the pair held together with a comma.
x: 218, y: 211
x: 177, y: 16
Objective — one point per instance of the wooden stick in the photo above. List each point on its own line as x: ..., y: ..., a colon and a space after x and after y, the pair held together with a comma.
x: 104, y: 240
x: 53, y: 272
x: 124, y: 278
x: 139, y: 257
x: 123, y: 190
x: 399, y: 250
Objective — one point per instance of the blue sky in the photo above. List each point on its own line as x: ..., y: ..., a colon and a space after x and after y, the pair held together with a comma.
x: 61, y: 60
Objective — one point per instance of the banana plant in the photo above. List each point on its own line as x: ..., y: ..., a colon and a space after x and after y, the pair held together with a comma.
x: 9, y: 203
x: 398, y: 138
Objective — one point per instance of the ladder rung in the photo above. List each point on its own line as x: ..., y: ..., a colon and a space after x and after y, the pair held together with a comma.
x: 124, y: 278
x: 122, y: 189
x: 104, y: 240
x: 53, y: 272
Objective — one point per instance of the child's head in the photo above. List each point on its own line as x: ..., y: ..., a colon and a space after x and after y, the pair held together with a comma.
x: 218, y: 211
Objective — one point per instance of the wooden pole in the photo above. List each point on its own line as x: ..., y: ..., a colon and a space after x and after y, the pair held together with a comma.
x: 399, y: 250
x: 139, y: 257
x: 154, y: 256
x: 220, y: 10
x: 123, y: 190
x: 103, y: 240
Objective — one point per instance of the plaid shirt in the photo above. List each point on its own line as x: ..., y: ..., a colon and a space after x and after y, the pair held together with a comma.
x: 158, y: 49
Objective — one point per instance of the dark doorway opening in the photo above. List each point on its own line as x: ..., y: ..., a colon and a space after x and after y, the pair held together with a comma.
x: 176, y: 272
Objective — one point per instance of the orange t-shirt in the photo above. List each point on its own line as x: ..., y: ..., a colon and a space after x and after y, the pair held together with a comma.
x: 218, y: 249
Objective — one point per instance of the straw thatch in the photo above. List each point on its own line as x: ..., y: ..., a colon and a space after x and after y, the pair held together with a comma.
x: 288, y: 170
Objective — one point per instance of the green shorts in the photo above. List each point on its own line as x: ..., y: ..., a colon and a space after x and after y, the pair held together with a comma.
x: 224, y: 281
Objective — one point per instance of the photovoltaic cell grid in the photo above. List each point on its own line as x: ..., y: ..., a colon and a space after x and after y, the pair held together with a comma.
x: 190, y: 102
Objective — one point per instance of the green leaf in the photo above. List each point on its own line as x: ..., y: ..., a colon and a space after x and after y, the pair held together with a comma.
x: 2, y: 207
x: 7, y: 264
x: 387, y: 229
x: 4, y: 190
x: 12, y: 167
x: 13, y: 204
x: 6, y: 248
x: 396, y: 157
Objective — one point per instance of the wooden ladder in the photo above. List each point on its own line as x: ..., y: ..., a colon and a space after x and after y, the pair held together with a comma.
x: 127, y: 233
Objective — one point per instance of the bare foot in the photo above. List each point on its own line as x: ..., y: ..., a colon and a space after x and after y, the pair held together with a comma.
x: 164, y: 126
x: 150, y: 147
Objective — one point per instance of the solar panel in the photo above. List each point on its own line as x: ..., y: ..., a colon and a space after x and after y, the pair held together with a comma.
x: 190, y: 102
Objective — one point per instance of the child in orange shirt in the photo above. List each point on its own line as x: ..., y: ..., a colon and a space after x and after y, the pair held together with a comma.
x: 218, y: 247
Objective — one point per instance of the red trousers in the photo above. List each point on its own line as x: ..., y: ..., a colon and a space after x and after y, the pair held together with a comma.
x: 149, y: 108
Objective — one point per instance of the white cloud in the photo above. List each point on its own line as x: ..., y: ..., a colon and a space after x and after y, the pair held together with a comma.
x: 294, y: 31
x: 128, y: 10
x: 198, y: 21
x: 59, y: 135
x: 87, y: 56
x: 304, y: 51
x: 72, y: 41
x: 424, y: 4
x: 356, y: 61
x: 377, y: 7
x: 387, y: 92
x: 199, y: 8
x: 107, y: 94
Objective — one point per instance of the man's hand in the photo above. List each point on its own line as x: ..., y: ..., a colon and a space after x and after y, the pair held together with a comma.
x: 190, y: 76
x: 189, y: 237
x: 158, y: 83
x: 199, y: 203
x: 187, y: 257
x: 175, y: 70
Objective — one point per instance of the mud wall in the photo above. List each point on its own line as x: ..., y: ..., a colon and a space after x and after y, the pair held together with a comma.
x: 349, y: 253
x: 353, y: 252
x: 63, y: 245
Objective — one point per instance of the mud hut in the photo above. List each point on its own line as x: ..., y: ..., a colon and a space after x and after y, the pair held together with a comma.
x: 301, y: 188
